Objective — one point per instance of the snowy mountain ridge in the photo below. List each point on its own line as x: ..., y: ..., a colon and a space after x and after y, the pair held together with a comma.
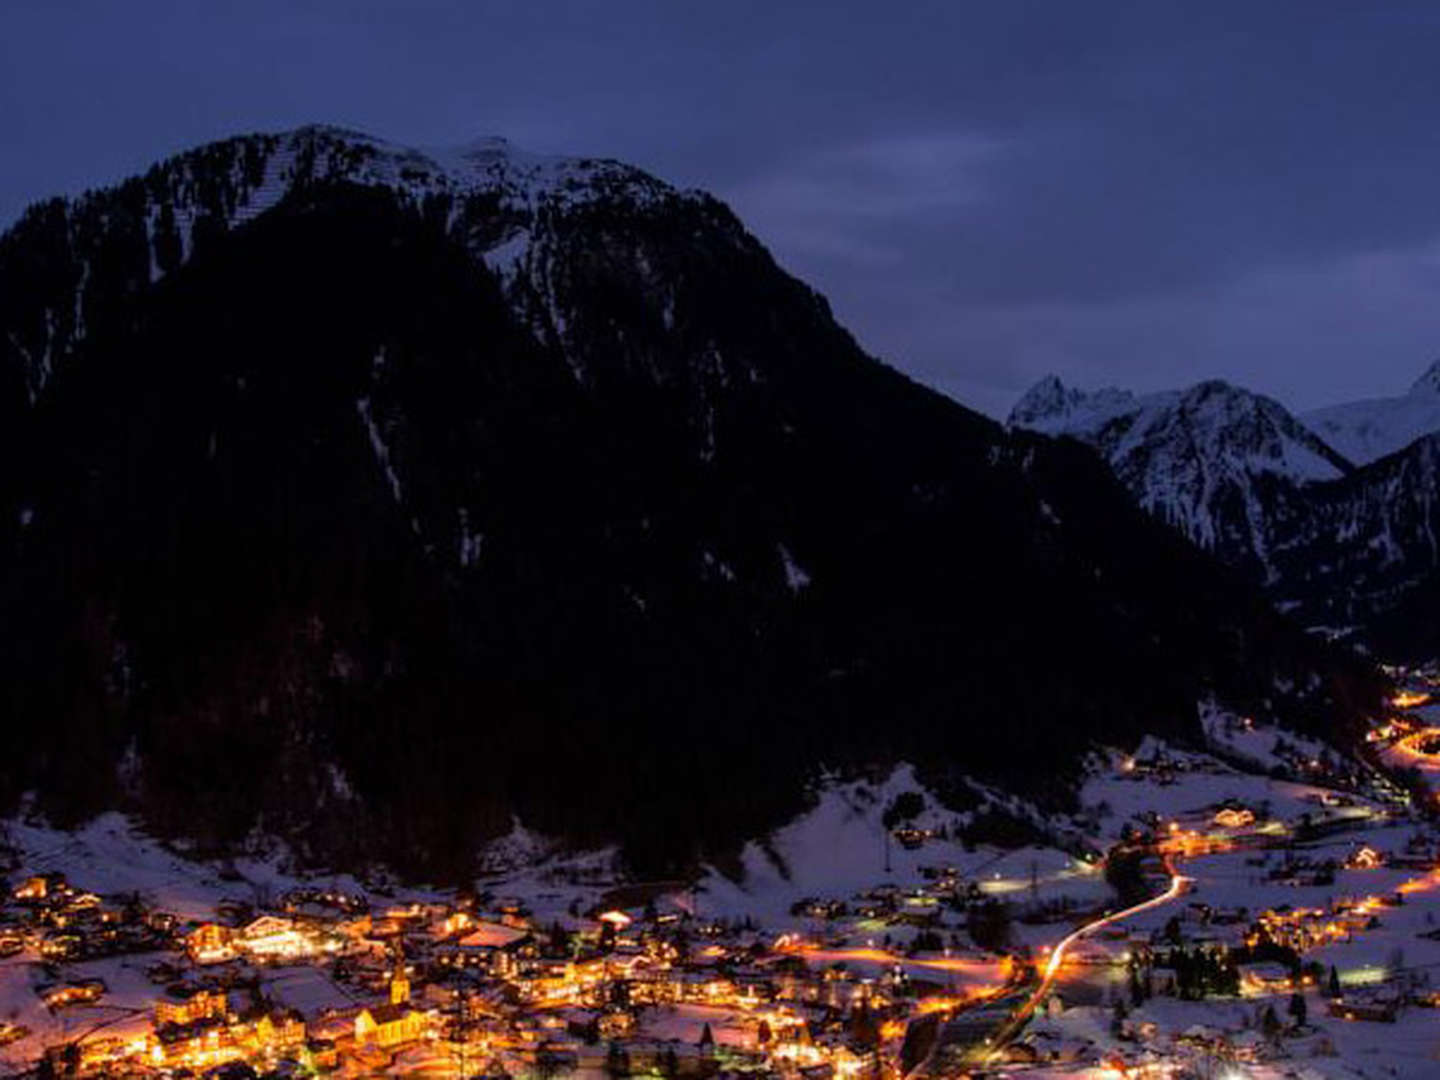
x: 1200, y: 459
x: 508, y: 200
x: 1334, y: 512
x: 1365, y: 431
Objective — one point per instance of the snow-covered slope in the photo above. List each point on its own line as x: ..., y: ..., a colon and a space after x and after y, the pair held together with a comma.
x: 1366, y: 431
x: 508, y: 201
x: 1204, y: 459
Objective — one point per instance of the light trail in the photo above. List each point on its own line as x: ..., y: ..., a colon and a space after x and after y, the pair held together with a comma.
x: 1178, y: 884
x: 1410, y: 746
x: 880, y: 956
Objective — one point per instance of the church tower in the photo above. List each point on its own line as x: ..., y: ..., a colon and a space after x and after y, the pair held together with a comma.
x: 399, y: 983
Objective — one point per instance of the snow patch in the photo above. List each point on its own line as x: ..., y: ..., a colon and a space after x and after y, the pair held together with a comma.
x: 796, y: 577
x: 377, y: 445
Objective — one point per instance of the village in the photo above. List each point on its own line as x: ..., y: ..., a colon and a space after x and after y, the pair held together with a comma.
x: 1192, y: 912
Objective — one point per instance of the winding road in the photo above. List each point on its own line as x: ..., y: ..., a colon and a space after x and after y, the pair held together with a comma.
x: 1179, y: 883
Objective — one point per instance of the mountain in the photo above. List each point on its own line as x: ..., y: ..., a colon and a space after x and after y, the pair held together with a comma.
x: 373, y: 498
x: 1365, y: 431
x: 1208, y: 460
x: 1360, y: 555
x: 1351, y: 549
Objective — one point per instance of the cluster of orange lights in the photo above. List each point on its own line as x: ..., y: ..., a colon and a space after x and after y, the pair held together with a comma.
x: 1421, y: 744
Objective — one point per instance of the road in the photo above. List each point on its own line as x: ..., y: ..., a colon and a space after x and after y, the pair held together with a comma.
x: 1178, y: 885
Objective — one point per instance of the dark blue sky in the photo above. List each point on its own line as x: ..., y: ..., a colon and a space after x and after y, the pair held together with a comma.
x: 1143, y: 193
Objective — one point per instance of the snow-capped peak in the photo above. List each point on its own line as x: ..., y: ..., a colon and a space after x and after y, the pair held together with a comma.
x: 1365, y: 431
x: 506, y: 204
x: 243, y: 177
x: 1428, y: 384
x: 1050, y: 407
x: 1196, y: 458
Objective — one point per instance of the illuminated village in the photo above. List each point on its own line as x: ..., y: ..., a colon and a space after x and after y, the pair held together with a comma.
x: 1195, y: 917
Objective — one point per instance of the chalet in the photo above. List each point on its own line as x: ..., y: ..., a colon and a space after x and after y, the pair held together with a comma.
x: 1265, y: 977
x: 280, y: 1028
x: 185, y: 1006
x: 1377, y: 1011
x: 40, y: 887
x: 207, y: 1041
x: 82, y: 992
x: 496, y: 943
x: 1364, y: 857
x: 210, y: 943
x: 1234, y: 816
x: 273, y: 937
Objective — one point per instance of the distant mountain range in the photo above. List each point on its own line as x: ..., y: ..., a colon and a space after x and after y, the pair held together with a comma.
x: 1365, y: 431
x: 1332, y: 511
x: 374, y: 497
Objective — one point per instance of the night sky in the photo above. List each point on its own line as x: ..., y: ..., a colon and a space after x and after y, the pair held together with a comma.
x: 1145, y: 194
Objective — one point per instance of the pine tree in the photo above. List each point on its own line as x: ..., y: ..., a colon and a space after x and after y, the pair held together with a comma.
x: 1269, y: 1022
x: 1117, y: 1019
x: 168, y: 247
x: 616, y: 1060
x: 1332, y: 986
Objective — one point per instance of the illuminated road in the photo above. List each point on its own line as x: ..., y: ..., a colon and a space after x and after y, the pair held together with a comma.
x: 1178, y: 884
x: 953, y: 964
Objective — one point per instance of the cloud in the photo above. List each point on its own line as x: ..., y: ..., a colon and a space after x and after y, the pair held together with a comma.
x: 1151, y: 189
x: 1308, y: 334
x: 843, y: 202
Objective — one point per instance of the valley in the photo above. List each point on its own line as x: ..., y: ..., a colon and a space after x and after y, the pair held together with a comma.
x: 1280, y: 917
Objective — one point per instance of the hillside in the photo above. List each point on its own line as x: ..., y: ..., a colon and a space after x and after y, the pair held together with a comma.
x: 374, y: 498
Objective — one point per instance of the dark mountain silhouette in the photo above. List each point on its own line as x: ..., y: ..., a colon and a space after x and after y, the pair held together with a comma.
x: 374, y: 498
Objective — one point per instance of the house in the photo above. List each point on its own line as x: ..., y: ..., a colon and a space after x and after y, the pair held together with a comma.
x: 185, y: 1006
x: 204, y: 1042
x: 1234, y: 817
x: 1365, y: 857
x: 210, y: 943
x: 280, y: 1028
x: 1376, y: 1011
x: 40, y: 887
x: 1265, y: 977
x: 272, y: 937
x: 73, y: 993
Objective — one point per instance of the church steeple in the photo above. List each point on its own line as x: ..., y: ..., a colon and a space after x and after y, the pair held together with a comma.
x: 399, y: 982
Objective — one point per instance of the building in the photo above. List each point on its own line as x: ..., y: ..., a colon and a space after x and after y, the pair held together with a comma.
x: 210, y: 943
x: 393, y: 1023
x: 388, y: 1025
x: 1234, y: 817
x: 272, y: 937
x: 186, y: 1007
